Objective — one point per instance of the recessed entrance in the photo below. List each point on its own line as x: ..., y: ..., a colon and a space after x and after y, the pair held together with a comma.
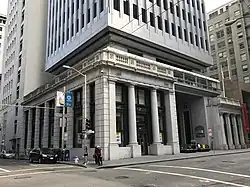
x: 142, y: 133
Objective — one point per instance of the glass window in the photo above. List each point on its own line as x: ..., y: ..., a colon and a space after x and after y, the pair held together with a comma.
x: 118, y: 93
x: 141, y: 97
x: 244, y: 67
x: 211, y: 37
x: 237, y: 13
x: 246, y: 79
x: 243, y: 57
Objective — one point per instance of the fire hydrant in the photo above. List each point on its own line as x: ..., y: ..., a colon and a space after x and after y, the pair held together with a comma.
x: 76, y: 159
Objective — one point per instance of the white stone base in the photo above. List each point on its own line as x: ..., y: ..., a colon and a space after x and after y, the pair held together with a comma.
x: 231, y: 147
x: 175, y: 148
x: 135, y: 150
x: 117, y: 153
x: 238, y: 146
x: 157, y: 149
x: 244, y: 146
x: 224, y: 147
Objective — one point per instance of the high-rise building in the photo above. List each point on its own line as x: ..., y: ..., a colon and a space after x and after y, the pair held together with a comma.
x: 2, y: 34
x: 2, y: 39
x: 144, y: 93
x: 230, y: 49
x: 23, y: 63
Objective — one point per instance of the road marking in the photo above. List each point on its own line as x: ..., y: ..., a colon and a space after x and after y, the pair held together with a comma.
x: 4, y: 170
x: 31, y: 169
x: 37, y: 173
x: 201, y: 169
x: 182, y: 175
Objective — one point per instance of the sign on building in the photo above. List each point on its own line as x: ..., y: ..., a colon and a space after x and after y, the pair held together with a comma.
x: 60, y: 101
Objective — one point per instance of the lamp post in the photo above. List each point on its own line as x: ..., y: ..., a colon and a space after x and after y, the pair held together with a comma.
x: 85, y: 104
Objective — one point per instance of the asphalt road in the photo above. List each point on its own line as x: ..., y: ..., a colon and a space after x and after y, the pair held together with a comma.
x: 231, y: 170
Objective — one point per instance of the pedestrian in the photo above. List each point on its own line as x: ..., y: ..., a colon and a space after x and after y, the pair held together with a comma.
x: 86, y: 155
x: 98, y: 155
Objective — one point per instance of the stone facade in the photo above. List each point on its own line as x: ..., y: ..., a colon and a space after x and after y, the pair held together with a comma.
x: 227, y: 127
x: 162, y: 85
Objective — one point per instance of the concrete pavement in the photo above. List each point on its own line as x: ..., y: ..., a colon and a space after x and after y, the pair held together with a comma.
x: 154, y: 159
x: 227, y: 170
x: 223, y: 170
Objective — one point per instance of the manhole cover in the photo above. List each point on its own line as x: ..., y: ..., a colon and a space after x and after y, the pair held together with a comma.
x: 121, y: 177
x: 149, y: 185
x: 22, y: 177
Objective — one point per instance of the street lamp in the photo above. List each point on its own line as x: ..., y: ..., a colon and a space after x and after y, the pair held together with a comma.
x: 85, y: 103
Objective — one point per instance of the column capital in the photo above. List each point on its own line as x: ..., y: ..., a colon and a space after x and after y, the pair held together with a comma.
x: 131, y: 85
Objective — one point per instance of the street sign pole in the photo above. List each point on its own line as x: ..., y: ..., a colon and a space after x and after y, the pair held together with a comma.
x: 63, y: 116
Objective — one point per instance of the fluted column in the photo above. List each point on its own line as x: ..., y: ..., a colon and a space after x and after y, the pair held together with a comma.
x: 229, y: 132
x: 46, y: 125
x: 29, y: 129
x: 57, y: 121
x: 132, y: 115
x: 135, y: 148
x: 241, y: 132
x: 155, y: 117
x: 112, y: 113
x: 171, y: 121
x: 37, y: 126
x: 235, y: 132
x: 223, y: 133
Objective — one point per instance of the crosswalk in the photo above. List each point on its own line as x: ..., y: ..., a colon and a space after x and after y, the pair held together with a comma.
x: 208, y: 176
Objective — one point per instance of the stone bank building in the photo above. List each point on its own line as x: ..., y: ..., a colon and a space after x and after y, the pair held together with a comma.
x: 146, y: 94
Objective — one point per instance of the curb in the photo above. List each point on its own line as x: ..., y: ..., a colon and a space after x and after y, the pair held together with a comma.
x: 72, y: 164
x: 171, y: 159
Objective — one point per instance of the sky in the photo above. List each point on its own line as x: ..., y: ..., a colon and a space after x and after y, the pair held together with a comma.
x: 210, y: 4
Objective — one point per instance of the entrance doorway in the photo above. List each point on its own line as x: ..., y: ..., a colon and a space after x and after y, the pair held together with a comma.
x: 188, y: 131
x: 142, y: 134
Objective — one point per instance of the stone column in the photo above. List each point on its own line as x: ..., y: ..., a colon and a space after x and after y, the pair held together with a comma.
x: 241, y: 132
x: 57, y: 121
x: 37, y: 127
x: 70, y: 123
x: 29, y: 129
x: 235, y: 132
x: 229, y: 132
x: 223, y: 145
x: 135, y: 148
x: 46, y: 125
x: 156, y: 148
x: 171, y: 122
x: 113, y: 152
x: 102, y: 123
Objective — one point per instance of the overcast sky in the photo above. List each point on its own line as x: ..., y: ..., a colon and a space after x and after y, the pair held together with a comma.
x: 210, y: 4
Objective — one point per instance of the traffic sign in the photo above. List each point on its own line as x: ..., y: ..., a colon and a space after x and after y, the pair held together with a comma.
x: 68, y: 99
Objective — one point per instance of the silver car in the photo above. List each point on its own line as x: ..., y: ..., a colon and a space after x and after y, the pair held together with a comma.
x: 7, y: 155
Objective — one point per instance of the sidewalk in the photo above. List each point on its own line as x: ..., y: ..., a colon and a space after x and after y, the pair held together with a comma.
x: 153, y: 159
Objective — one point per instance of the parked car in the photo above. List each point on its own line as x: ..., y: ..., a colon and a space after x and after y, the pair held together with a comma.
x: 7, y: 155
x: 42, y: 155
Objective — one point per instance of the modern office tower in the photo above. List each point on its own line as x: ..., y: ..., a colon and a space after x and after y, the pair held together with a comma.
x: 230, y: 50
x: 144, y: 94
x: 23, y: 64
x: 2, y: 34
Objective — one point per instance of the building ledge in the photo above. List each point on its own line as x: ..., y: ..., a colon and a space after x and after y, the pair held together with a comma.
x: 124, y: 60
